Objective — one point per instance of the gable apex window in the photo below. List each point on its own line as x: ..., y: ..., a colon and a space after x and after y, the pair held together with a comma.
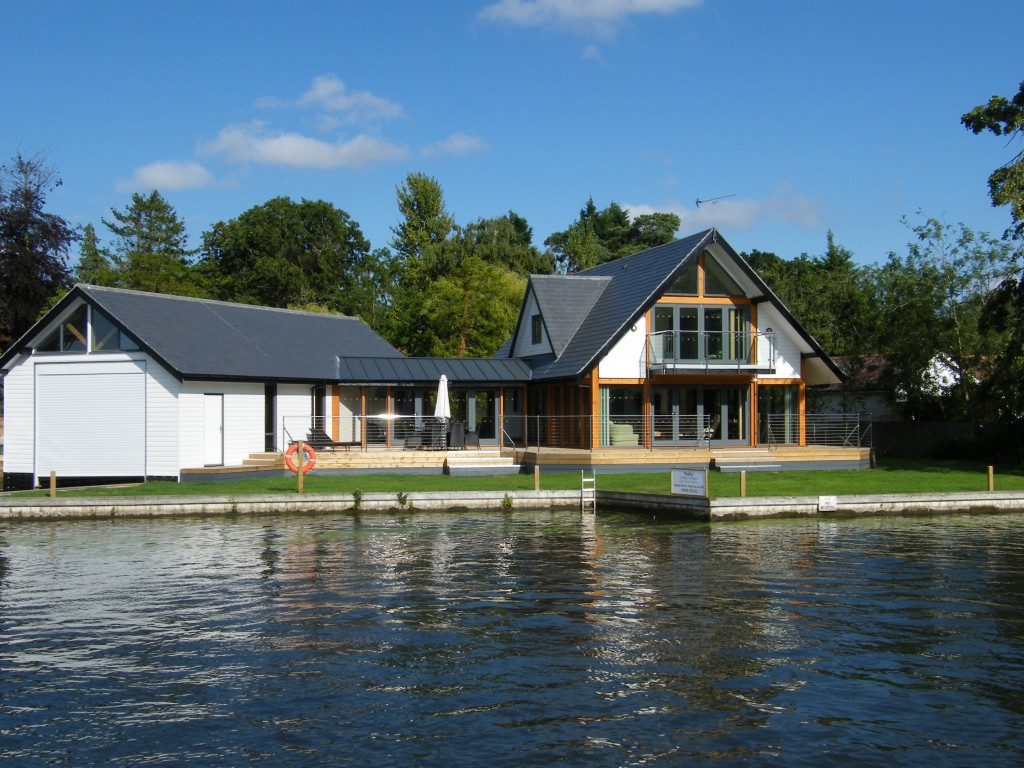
x: 70, y: 335
x: 536, y: 330
x: 87, y: 330
x: 685, y: 283
x: 107, y: 337
x: 717, y: 281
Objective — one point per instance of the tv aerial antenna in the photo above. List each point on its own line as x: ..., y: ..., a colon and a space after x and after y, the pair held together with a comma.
x: 714, y: 203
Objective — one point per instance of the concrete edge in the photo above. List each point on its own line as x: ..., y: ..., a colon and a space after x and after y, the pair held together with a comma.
x: 679, y: 507
x: 167, y: 506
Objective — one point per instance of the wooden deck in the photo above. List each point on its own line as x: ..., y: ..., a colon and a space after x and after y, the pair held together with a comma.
x: 725, y: 459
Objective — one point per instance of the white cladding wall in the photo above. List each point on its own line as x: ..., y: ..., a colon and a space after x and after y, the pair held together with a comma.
x: 19, y: 419
x: 243, y: 420
x: 97, y: 415
x: 628, y: 358
x: 162, y: 437
x: 524, y: 346
x: 294, y: 412
x: 787, y: 353
x: 90, y: 418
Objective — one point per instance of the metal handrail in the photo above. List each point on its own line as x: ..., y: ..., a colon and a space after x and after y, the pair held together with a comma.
x: 648, y: 430
x: 727, y: 340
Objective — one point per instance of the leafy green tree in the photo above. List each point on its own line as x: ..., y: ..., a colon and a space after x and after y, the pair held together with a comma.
x: 931, y: 305
x: 508, y: 241
x: 283, y: 253
x: 600, y: 236
x: 150, y: 250
x: 94, y: 267
x: 34, y: 244
x: 476, y: 307
x: 1004, y: 117
x: 425, y: 220
x: 830, y: 295
x: 651, y: 229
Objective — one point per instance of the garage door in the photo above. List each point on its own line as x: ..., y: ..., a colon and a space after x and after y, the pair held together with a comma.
x: 91, y: 420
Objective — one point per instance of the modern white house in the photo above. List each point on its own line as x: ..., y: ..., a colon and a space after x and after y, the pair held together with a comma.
x: 678, y: 354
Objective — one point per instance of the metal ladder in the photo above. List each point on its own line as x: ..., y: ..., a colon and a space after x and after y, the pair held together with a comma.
x: 588, y: 491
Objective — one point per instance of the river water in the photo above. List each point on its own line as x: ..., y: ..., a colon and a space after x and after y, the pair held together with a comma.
x: 512, y: 639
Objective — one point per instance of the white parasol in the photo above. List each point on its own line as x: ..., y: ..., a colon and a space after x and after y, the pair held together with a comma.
x: 443, y: 408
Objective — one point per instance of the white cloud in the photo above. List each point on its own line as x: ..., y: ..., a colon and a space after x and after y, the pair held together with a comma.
x: 457, y: 144
x: 330, y: 93
x: 589, y: 17
x: 166, y: 176
x: 743, y: 214
x: 251, y: 143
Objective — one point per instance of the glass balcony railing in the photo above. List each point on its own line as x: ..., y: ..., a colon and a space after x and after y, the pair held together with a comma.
x: 718, y: 350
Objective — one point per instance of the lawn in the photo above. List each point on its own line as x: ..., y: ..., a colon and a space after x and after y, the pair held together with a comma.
x: 891, y: 476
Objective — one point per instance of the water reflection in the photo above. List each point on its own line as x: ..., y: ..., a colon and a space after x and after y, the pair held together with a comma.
x: 545, y: 636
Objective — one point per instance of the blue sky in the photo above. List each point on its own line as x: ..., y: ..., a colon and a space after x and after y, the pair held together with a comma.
x: 810, y: 115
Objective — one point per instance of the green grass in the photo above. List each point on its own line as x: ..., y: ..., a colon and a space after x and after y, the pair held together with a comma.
x: 892, y: 476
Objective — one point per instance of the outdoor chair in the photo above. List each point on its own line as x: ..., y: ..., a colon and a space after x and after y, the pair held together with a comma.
x: 320, y: 440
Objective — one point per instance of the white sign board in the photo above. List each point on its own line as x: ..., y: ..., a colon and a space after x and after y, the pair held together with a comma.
x: 827, y: 503
x: 690, y: 482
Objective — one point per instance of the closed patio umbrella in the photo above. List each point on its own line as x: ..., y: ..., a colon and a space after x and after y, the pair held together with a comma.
x: 442, y: 411
x: 443, y: 408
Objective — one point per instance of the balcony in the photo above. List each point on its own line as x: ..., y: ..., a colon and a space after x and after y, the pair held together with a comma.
x: 711, y: 352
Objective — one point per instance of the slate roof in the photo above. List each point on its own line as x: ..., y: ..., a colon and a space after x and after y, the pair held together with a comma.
x: 632, y: 284
x: 200, y: 338
x: 565, y: 304
x: 427, y: 370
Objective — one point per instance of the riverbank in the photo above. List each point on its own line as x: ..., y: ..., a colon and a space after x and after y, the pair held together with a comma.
x: 675, y: 507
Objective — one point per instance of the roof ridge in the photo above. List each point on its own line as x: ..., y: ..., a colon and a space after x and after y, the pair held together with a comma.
x: 88, y: 287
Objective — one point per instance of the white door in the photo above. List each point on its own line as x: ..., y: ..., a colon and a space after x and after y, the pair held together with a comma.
x: 214, y: 434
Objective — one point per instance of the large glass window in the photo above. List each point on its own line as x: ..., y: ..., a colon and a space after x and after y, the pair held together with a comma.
x: 778, y: 414
x: 622, y: 416
x: 711, y: 334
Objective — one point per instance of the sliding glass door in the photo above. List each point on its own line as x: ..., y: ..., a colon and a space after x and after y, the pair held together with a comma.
x: 697, y: 415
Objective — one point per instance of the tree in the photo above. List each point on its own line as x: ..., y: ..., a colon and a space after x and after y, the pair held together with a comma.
x: 33, y: 244
x: 283, y: 253
x: 1004, y: 310
x: 600, y: 236
x: 151, y: 250
x: 425, y: 220
x: 94, y: 267
x: 508, y: 241
x: 829, y: 295
x: 1004, y: 117
x: 932, y: 301
x: 476, y: 306
x: 651, y: 229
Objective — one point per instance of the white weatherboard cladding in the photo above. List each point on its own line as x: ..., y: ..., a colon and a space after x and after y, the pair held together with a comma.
x: 628, y: 358
x: 294, y: 412
x: 19, y: 419
x: 787, y: 353
x: 91, y: 419
x: 524, y: 341
x: 243, y: 420
x: 161, y: 422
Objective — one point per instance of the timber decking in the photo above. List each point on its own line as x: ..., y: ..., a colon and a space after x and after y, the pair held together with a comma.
x: 568, y: 459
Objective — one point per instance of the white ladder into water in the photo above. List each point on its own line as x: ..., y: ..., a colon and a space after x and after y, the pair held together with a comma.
x: 588, y: 491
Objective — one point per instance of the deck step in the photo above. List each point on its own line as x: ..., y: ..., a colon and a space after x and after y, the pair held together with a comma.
x: 758, y: 467
x: 480, y: 463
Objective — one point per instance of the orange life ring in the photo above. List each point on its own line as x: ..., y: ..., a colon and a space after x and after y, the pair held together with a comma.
x: 307, y: 464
